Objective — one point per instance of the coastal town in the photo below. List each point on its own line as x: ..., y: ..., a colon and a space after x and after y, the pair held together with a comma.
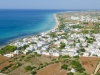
x: 70, y: 35
x: 75, y: 34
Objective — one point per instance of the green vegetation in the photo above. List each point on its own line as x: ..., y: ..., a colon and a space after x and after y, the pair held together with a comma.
x: 82, y: 50
x: 36, y: 54
x: 85, y: 22
x: 90, y: 40
x: 52, y: 34
x: 90, y: 31
x: 65, y: 56
x: 96, y: 25
x: 94, y: 31
x: 64, y: 37
x: 33, y: 73
x: 33, y: 43
x: 64, y: 66
x: 98, y: 18
x: 61, y: 26
x: 62, y: 45
x: 71, y: 62
x: 77, y: 66
x: 85, y: 31
x: 24, y: 47
x: 7, y: 67
x: 76, y: 26
x: 7, y: 49
x: 70, y: 73
x: 97, y: 74
x: 29, y: 68
x: 62, y: 23
x: 77, y: 73
x: 17, y: 65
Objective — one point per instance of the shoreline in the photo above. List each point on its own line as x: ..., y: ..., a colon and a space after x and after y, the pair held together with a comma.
x: 46, y: 32
x: 55, y: 26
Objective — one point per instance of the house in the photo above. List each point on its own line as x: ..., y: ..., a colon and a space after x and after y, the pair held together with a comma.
x: 2, y: 74
x: 45, y: 47
x: 78, y: 44
x: 24, y: 52
x: 55, y: 54
x: 9, y: 55
x: 38, y: 51
x: 45, y: 53
x: 16, y: 52
x: 84, y: 44
x: 86, y: 54
x: 72, y: 70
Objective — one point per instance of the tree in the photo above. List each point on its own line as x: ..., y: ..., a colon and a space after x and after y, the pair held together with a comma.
x: 52, y: 34
x: 90, y: 40
x: 28, y: 68
x: 70, y: 73
x: 25, y: 46
x: 66, y: 56
x: 33, y: 72
x: 82, y: 50
x: 64, y: 66
x: 62, y: 45
x: 6, y: 67
x: 77, y: 66
x: 85, y: 22
x: 7, y: 49
x: 77, y: 57
x: 18, y: 64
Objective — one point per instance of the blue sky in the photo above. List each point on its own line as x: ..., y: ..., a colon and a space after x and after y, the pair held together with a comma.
x: 49, y: 4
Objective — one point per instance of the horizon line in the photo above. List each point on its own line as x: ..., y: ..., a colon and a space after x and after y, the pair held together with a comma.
x: 42, y: 9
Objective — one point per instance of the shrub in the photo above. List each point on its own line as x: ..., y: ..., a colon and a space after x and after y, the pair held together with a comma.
x: 70, y: 73
x: 62, y: 45
x: 64, y: 66
x: 28, y: 68
x: 33, y: 72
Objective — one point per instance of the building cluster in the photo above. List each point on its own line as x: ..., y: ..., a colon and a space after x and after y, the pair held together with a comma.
x: 84, y: 18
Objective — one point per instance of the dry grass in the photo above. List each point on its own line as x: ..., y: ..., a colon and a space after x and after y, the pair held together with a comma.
x: 50, y: 70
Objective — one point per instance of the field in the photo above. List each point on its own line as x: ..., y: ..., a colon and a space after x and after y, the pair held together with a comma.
x: 32, y: 61
x: 89, y: 64
x: 53, y: 69
x: 3, y: 59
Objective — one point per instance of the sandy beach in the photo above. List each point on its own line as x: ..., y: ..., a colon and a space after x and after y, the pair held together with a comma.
x: 55, y: 27
x: 57, y: 22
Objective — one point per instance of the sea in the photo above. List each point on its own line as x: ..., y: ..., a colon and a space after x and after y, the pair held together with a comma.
x: 17, y: 23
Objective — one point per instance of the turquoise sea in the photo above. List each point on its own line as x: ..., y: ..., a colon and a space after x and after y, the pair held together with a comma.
x: 20, y: 23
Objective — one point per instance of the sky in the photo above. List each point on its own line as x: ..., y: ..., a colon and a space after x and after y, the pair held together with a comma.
x: 49, y: 4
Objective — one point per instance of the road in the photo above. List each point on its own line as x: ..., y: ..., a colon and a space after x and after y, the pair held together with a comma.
x: 97, y: 68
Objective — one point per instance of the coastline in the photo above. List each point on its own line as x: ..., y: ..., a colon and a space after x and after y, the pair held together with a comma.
x: 57, y: 22
x: 55, y: 26
x: 46, y: 32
